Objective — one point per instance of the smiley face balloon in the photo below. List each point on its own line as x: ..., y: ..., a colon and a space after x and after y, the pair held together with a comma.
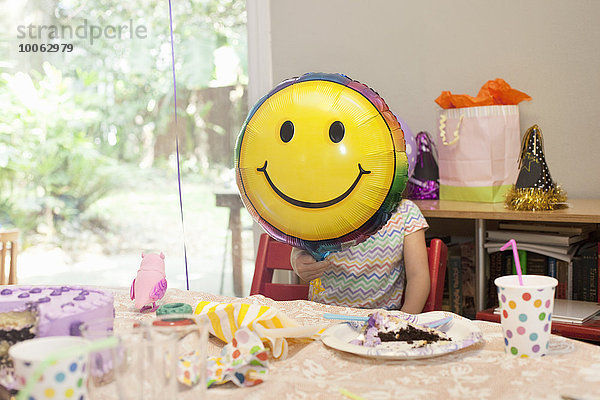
x: 320, y: 162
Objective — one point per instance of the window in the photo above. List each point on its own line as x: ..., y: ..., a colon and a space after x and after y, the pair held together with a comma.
x: 88, y: 164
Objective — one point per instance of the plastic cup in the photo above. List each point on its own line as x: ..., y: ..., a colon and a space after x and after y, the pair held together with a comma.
x: 133, y: 375
x: 102, y: 362
x: 66, y: 378
x: 161, y: 358
x: 180, y: 343
x: 526, y: 313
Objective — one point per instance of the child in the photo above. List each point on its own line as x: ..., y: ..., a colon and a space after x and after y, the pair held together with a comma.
x: 388, y: 270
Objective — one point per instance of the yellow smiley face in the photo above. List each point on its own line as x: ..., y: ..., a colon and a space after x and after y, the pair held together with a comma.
x: 317, y: 159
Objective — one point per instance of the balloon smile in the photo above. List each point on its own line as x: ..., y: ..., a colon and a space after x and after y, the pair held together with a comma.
x: 308, y: 204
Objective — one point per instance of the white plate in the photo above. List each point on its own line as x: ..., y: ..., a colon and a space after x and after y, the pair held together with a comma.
x: 462, y: 331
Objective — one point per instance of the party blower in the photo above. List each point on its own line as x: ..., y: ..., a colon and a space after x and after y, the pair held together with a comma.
x: 526, y: 303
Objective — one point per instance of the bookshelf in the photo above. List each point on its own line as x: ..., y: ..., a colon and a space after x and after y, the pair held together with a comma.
x: 480, y: 215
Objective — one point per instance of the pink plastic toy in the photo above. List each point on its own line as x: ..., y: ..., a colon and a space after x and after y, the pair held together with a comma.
x: 150, y: 283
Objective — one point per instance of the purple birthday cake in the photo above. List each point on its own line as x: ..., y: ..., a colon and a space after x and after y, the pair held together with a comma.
x: 39, y: 311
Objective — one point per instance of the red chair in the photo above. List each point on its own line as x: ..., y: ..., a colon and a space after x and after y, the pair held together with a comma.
x: 274, y: 255
x: 437, y: 252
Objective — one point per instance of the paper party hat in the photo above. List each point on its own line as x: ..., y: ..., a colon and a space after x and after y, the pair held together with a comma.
x: 534, y: 190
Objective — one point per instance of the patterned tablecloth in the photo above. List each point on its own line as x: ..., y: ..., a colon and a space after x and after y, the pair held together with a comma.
x: 482, y: 371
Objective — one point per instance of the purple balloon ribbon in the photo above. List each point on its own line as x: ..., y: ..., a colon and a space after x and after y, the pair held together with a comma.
x: 187, y: 280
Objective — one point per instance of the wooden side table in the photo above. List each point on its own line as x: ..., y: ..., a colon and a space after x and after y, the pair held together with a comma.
x: 233, y: 201
x: 579, y: 211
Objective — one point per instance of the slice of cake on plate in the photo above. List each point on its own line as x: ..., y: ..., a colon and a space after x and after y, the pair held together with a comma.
x: 384, y: 327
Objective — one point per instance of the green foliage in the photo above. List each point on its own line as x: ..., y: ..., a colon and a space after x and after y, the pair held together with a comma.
x: 65, y: 129
x: 50, y: 167
x: 130, y: 79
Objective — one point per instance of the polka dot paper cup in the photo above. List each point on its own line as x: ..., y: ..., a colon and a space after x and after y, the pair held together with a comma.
x: 65, y: 379
x: 526, y: 313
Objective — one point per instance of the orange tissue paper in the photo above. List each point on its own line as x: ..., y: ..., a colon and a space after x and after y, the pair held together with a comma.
x: 496, y: 92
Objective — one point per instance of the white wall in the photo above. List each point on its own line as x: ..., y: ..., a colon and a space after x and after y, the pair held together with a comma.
x: 409, y: 51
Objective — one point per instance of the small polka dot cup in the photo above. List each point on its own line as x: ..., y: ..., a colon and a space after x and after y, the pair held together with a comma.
x: 526, y: 313
x: 64, y: 379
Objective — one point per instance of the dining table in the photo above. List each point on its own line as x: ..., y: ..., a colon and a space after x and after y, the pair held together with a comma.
x: 312, y: 370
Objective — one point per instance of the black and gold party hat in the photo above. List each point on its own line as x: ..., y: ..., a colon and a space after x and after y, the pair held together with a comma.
x: 534, y: 190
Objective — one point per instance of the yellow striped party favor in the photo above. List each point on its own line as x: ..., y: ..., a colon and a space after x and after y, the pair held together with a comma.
x: 270, y: 324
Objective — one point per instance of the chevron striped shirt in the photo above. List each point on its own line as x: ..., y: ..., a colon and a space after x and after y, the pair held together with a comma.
x: 371, y: 274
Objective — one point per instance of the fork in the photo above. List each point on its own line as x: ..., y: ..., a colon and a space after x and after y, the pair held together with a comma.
x: 439, y: 323
x: 442, y: 324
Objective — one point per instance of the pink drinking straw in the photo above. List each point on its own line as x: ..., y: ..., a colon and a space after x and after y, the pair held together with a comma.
x: 512, y: 243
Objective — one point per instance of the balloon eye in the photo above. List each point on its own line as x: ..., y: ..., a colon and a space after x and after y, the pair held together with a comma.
x: 336, y: 132
x: 286, y: 132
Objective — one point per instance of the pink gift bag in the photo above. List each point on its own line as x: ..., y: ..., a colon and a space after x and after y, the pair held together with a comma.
x: 478, y: 152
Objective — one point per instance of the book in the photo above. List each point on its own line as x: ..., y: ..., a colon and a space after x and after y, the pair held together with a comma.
x: 496, y: 271
x: 537, y: 264
x: 570, y: 281
x: 507, y: 262
x: 593, y: 280
x: 552, y: 267
x: 592, y: 263
x: 575, y: 312
x: 547, y: 227
x: 548, y: 248
x: 571, y: 311
x: 536, y: 237
x: 585, y: 273
x: 576, y: 278
x: 559, y: 252
x: 454, y: 270
x: 562, y: 274
x: 445, y: 295
x: 467, y: 257
x: 522, y: 262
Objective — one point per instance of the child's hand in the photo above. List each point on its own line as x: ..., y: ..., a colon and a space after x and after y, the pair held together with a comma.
x: 306, y: 267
